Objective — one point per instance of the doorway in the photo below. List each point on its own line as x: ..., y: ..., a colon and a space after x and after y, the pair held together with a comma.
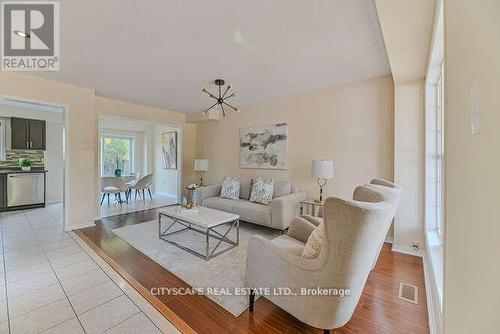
x: 134, y: 174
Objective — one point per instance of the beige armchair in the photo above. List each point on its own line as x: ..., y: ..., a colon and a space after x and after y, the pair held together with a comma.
x: 354, y: 230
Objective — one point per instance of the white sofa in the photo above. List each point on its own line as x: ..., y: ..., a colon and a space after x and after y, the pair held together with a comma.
x: 278, y: 215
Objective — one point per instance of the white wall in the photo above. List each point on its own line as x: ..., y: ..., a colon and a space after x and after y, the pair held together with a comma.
x: 472, y: 226
x: 409, y: 162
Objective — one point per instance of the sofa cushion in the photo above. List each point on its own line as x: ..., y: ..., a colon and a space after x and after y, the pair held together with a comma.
x: 262, y: 191
x: 230, y: 187
x: 282, y: 188
x: 219, y: 203
x: 253, y: 212
x: 314, y: 243
x: 245, y: 189
x: 289, y: 244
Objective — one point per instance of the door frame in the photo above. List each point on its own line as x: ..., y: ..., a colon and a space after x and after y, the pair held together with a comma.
x: 65, y: 111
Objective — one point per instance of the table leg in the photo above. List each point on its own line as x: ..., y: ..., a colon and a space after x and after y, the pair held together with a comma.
x: 208, y: 243
x: 301, y: 209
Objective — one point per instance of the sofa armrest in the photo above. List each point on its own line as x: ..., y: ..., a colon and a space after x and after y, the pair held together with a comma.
x: 285, y: 208
x: 203, y: 193
x: 300, y: 229
x: 313, y: 220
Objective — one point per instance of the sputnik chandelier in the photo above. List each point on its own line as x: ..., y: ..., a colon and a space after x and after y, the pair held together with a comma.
x: 221, y: 100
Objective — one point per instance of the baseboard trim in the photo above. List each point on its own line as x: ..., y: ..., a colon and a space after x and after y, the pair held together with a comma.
x: 389, y: 239
x: 407, y: 250
x: 91, y: 224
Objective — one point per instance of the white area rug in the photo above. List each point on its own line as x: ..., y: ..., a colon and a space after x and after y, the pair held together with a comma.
x: 224, y: 271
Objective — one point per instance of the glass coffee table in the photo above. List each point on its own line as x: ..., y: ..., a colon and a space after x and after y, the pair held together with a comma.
x: 175, y: 220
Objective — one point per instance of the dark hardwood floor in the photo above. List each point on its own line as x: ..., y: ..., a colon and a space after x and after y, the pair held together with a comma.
x: 379, y: 309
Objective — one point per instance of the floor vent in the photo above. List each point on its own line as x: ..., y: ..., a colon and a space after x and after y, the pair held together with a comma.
x: 408, y: 292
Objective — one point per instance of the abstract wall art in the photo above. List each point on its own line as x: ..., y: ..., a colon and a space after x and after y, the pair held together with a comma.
x: 264, y: 147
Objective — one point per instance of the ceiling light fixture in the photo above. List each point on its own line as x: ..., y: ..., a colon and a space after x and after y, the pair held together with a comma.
x: 21, y: 34
x: 221, y: 99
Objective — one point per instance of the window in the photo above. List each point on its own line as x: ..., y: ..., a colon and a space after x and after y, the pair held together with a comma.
x: 440, y: 153
x: 117, y: 153
x: 3, y: 134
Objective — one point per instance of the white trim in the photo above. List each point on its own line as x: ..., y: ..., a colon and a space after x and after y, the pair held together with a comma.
x: 389, y: 239
x: 407, y: 250
x: 433, y: 309
x: 91, y: 224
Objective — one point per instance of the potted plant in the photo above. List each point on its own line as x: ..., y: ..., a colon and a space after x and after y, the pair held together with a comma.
x: 118, y: 171
x: 26, y: 165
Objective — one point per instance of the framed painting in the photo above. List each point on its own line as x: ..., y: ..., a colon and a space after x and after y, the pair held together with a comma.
x: 264, y: 147
x: 169, y: 149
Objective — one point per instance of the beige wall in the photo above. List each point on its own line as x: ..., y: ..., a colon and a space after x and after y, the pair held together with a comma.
x: 351, y: 125
x: 82, y: 126
x: 409, y: 156
x: 189, y: 140
x: 83, y: 108
x: 472, y: 230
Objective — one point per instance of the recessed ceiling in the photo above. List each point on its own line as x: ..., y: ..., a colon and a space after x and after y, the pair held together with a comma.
x: 162, y: 52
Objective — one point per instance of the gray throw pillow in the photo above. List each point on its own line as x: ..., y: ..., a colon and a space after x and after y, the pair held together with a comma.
x: 262, y: 191
x: 282, y: 188
x: 245, y: 189
x: 230, y: 187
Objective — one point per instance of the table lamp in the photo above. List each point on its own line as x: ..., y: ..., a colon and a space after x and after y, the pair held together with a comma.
x: 201, y: 165
x: 321, y: 171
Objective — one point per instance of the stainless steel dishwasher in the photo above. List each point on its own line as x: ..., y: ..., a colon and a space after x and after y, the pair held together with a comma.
x: 25, y: 189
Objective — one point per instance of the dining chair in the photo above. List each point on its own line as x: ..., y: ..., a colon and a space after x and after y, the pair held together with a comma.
x: 113, y: 185
x: 143, y: 184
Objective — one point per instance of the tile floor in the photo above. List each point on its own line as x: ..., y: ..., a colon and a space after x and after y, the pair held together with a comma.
x: 48, y: 284
x: 113, y: 209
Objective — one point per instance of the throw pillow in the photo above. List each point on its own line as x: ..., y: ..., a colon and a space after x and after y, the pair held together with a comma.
x: 245, y: 189
x: 282, y: 188
x: 313, y: 245
x: 230, y: 187
x: 262, y: 191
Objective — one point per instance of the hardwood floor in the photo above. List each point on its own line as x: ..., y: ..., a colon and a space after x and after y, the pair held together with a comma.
x: 379, y: 309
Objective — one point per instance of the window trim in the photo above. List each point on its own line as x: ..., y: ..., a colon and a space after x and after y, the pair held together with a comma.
x: 132, y: 151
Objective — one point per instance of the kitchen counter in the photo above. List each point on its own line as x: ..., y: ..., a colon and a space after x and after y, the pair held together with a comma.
x: 18, y: 170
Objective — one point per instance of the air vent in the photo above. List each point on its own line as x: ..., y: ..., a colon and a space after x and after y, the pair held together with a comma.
x: 408, y: 292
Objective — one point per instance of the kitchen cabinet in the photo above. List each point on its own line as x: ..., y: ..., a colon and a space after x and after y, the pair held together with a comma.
x: 28, y: 134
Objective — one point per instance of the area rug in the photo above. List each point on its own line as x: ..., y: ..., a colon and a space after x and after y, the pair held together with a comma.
x: 224, y: 271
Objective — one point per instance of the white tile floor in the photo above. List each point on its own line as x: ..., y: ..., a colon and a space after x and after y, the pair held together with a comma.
x: 113, y: 208
x: 48, y: 283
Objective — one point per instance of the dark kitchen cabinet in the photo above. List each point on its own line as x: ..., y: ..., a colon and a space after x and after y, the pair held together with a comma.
x: 28, y: 134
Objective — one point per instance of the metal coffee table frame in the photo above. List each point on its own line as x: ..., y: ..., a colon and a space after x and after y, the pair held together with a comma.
x: 208, y: 232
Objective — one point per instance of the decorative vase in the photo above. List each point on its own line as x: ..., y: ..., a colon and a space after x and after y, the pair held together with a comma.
x: 26, y: 168
x: 118, y: 172
x: 190, y: 200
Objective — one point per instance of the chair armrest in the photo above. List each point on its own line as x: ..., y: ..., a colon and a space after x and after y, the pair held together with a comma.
x: 285, y: 208
x: 268, y: 265
x: 313, y: 220
x: 203, y: 193
x: 300, y: 229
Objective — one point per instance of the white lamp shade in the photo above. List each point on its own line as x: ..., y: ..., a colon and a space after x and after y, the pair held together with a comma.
x: 201, y: 165
x: 322, y: 169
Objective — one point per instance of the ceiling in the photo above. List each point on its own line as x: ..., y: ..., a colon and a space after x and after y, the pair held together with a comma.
x: 407, y: 29
x: 162, y: 52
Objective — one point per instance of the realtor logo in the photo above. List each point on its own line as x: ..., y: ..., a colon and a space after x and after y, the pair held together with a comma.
x: 30, y: 36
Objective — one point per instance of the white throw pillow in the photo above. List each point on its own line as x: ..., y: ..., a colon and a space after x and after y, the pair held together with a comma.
x: 314, y: 242
x: 262, y: 191
x: 230, y: 187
